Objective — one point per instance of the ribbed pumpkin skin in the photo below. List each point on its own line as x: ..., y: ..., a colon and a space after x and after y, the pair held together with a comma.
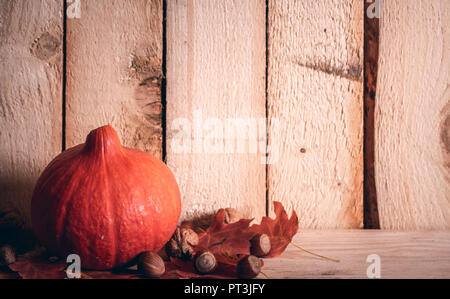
x: 105, y: 202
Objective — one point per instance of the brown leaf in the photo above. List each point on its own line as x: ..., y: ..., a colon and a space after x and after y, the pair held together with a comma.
x: 35, y: 265
x: 112, y: 274
x: 176, y: 268
x: 226, y: 239
x: 280, y: 230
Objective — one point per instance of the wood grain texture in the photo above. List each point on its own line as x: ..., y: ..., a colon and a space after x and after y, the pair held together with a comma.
x: 216, y: 67
x: 315, y: 90
x: 114, y: 72
x: 402, y: 255
x: 412, y: 115
x: 31, y: 36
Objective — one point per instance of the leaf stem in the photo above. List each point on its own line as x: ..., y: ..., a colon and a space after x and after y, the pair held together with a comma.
x: 315, y: 254
x: 264, y: 274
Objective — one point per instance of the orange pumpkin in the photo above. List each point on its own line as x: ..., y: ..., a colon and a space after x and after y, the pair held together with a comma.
x: 105, y: 202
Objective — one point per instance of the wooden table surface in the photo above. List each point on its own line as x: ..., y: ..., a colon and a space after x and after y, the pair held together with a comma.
x: 402, y: 255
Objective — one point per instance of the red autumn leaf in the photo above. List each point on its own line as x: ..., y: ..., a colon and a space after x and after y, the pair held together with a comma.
x: 280, y: 230
x: 37, y: 266
x: 130, y: 273
x: 176, y: 268
x: 226, y: 239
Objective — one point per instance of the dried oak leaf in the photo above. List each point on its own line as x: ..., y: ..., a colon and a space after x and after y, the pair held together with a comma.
x: 35, y: 265
x: 130, y: 273
x: 280, y: 230
x: 226, y: 239
x: 177, y: 268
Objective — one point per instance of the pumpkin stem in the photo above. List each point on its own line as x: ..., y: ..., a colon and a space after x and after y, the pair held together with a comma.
x: 103, y: 139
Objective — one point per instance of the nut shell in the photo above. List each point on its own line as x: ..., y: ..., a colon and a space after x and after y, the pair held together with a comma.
x: 260, y: 245
x: 249, y: 267
x: 205, y: 262
x: 182, y: 243
x: 232, y: 215
x: 151, y: 264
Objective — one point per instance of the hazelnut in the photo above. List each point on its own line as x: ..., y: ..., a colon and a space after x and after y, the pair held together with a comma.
x: 163, y: 254
x: 7, y: 255
x: 232, y: 215
x: 151, y: 264
x: 249, y: 267
x: 182, y: 243
x: 260, y: 245
x: 205, y: 262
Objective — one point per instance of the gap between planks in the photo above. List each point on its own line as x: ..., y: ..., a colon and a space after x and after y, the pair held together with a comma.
x: 64, y: 77
x: 371, y: 42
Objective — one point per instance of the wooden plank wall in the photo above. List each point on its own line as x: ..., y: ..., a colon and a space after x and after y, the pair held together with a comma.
x: 114, y: 72
x: 298, y: 62
x: 216, y: 70
x: 412, y: 116
x: 31, y: 37
x: 316, y: 91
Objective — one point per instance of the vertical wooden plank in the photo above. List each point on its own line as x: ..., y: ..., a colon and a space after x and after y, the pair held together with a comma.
x: 114, y: 72
x: 412, y: 115
x: 216, y: 71
x: 315, y: 90
x: 31, y: 36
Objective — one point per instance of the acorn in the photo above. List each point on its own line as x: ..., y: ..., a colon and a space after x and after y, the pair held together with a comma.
x: 249, y: 267
x: 260, y: 245
x: 151, y: 264
x: 231, y: 215
x: 205, y: 262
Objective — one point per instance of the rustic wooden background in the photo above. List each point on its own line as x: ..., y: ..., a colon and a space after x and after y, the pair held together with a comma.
x: 140, y: 65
